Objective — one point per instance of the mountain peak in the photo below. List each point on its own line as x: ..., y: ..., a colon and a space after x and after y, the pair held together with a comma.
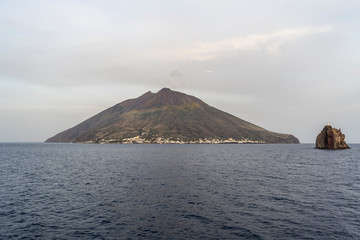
x: 168, y: 92
x: 147, y: 94
x: 167, y: 114
x: 168, y: 97
x: 165, y: 89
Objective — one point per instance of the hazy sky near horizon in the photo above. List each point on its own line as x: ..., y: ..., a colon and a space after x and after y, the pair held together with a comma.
x: 289, y: 66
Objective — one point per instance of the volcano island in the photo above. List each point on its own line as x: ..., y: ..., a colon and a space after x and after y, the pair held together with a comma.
x: 167, y: 117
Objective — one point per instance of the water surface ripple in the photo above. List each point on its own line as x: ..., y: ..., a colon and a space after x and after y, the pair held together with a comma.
x: 88, y: 191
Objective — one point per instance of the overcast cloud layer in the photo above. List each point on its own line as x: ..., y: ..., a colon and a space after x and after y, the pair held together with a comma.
x: 289, y: 66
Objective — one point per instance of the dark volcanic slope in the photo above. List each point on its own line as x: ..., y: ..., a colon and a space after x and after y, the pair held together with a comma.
x: 167, y: 114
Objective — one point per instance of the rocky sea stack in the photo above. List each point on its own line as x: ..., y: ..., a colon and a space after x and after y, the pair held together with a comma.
x: 168, y: 117
x: 331, y: 138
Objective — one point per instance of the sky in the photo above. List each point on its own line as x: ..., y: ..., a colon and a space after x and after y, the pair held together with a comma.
x: 290, y: 66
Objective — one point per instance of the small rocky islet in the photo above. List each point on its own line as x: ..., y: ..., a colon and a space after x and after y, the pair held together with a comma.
x: 331, y: 138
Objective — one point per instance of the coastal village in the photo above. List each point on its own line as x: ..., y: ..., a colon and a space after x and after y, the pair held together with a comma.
x: 161, y: 140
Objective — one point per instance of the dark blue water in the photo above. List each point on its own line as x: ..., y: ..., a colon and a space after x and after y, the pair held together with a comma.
x: 85, y: 191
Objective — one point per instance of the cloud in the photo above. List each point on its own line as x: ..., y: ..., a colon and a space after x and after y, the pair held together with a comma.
x: 270, y: 43
x: 175, y: 80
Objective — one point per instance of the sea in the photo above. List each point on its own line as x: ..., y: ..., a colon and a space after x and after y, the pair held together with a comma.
x: 173, y: 191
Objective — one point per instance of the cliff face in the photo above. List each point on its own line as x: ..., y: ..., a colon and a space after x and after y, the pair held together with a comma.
x: 169, y: 115
x: 331, y: 138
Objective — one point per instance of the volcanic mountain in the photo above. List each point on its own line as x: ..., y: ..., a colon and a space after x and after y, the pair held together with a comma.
x: 167, y: 114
